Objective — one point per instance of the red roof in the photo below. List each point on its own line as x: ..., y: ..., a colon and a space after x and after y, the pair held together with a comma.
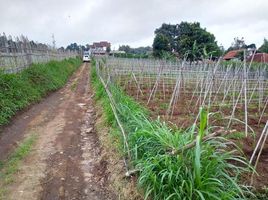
x: 231, y: 54
x: 101, y: 44
x: 259, y: 57
x: 105, y: 43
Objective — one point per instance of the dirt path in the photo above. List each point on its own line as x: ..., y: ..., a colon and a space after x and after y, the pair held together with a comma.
x: 66, y: 161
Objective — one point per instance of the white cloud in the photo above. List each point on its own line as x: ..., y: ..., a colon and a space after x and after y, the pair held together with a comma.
x: 131, y: 22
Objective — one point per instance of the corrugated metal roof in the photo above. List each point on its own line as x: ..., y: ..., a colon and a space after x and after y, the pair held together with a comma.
x: 101, y: 44
x: 231, y: 54
x: 259, y: 57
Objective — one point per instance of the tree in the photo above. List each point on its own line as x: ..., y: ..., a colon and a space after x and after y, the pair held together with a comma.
x: 138, y: 51
x: 169, y: 31
x: 73, y: 47
x: 239, y: 44
x: 186, y: 39
x: 161, y: 44
x: 251, y: 46
x: 125, y: 48
x: 141, y: 50
x: 264, y: 46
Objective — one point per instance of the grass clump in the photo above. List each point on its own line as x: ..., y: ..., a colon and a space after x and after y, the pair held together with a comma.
x: 9, y: 167
x: 18, y: 91
x: 207, y: 171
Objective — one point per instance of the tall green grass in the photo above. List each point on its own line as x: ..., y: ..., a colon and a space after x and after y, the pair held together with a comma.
x: 18, y: 91
x: 209, y: 170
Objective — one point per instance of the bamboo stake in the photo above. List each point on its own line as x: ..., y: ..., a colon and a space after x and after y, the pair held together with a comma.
x: 138, y: 86
x: 245, y: 94
x: 234, y: 107
x: 115, y: 114
x: 266, y: 103
x: 260, y: 151
x: 258, y: 144
x: 188, y: 146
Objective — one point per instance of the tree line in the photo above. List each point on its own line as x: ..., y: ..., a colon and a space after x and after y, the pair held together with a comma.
x: 191, y: 41
x: 184, y: 40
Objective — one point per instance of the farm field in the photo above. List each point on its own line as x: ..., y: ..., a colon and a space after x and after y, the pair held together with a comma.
x: 139, y: 129
x: 235, y: 94
x: 134, y: 100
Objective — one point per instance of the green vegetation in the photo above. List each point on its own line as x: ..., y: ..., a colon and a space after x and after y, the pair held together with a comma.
x: 103, y: 100
x: 130, y: 55
x: 185, y: 39
x: 10, y: 167
x: 261, y: 194
x: 74, y: 85
x: 140, y: 52
x: 18, y: 91
x: 264, y: 46
x: 161, y: 45
x: 168, y: 170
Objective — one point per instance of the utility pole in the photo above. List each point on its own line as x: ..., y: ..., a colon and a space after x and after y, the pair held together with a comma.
x: 53, y: 41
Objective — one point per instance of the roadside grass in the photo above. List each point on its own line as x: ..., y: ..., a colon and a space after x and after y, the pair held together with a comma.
x: 109, y: 120
x: 261, y: 194
x: 111, y: 141
x: 9, y: 168
x: 74, y: 85
x: 17, y: 91
x: 207, y: 171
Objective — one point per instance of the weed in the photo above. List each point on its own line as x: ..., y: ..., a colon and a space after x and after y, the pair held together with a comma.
x: 11, y: 165
x: 74, y: 85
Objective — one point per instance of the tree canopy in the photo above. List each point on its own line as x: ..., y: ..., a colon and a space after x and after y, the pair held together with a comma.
x: 264, y: 47
x: 185, y: 39
x: 125, y: 48
x: 138, y: 50
x: 240, y: 44
x: 161, y: 44
x: 75, y: 47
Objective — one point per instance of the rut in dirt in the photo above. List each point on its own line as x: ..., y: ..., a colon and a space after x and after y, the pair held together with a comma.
x: 65, y: 177
x: 66, y: 161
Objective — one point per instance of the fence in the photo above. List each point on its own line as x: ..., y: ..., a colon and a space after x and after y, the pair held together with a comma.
x: 21, y: 53
x: 237, y: 93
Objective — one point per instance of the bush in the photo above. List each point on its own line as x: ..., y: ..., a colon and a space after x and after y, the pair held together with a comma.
x: 18, y: 91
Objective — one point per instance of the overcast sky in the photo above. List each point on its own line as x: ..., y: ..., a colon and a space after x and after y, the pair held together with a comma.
x: 131, y: 21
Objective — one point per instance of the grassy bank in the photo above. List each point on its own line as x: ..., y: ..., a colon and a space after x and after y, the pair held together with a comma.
x: 166, y: 168
x: 18, y: 91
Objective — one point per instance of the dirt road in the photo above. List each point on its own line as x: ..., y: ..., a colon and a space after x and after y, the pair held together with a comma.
x: 66, y: 161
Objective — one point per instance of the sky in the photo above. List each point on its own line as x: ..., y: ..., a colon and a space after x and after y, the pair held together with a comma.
x: 131, y: 22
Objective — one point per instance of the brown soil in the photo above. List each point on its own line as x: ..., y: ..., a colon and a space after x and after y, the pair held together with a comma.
x: 66, y: 161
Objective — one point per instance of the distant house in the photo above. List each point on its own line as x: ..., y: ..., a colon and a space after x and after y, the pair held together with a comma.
x: 232, y: 55
x: 99, y: 48
x: 258, y: 57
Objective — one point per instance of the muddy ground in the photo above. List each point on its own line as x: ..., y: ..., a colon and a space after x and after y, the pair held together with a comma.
x: 66, y: 161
